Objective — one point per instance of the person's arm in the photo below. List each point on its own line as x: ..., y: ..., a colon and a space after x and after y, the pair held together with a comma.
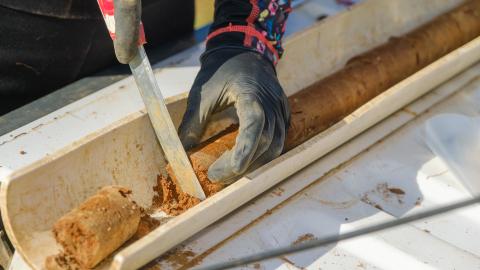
x: 258, y: 25
x: 238, y: 68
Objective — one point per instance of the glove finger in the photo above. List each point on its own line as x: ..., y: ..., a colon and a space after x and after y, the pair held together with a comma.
x: 222, y: 168
x: 251, y: 117
x: 194, y: 120
x: 127, y: 23
x: 265, y: 140
x: 274, y: 150
x: 234, y: 162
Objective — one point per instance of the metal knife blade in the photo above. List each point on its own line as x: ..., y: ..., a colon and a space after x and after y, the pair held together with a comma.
x: 163, y: 125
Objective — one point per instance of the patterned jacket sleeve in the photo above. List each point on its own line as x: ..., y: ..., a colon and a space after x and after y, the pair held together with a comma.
x: 256, y: 25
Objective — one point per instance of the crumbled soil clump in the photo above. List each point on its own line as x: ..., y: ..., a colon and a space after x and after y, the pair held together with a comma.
x: 170, y: 198
x: 146, y: 225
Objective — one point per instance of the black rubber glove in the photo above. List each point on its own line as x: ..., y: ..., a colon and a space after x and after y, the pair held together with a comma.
x: 246, y: 80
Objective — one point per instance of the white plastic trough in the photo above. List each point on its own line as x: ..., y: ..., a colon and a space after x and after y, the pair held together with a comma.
x: 51, y: 165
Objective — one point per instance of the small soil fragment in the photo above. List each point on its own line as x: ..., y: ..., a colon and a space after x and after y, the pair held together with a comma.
x: 367, y: 200
x: 418, y: 202
x: 304, y: 238
x: 397, y: 191
x: 178, y: 258
x: 278, y: 191
x: 61, y: 261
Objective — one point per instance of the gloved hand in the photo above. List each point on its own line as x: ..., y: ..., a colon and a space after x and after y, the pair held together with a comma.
x: 127, y: 25
x: 246, y: 80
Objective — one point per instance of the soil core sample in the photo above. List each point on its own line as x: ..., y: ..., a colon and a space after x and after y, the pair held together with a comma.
x: 100, y: 225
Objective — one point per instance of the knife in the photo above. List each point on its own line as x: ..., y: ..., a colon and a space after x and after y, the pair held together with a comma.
x: 156, y: 108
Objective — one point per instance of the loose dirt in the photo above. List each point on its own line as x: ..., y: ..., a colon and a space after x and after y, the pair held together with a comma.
x: 304, y: 238
x: 146, y: 225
